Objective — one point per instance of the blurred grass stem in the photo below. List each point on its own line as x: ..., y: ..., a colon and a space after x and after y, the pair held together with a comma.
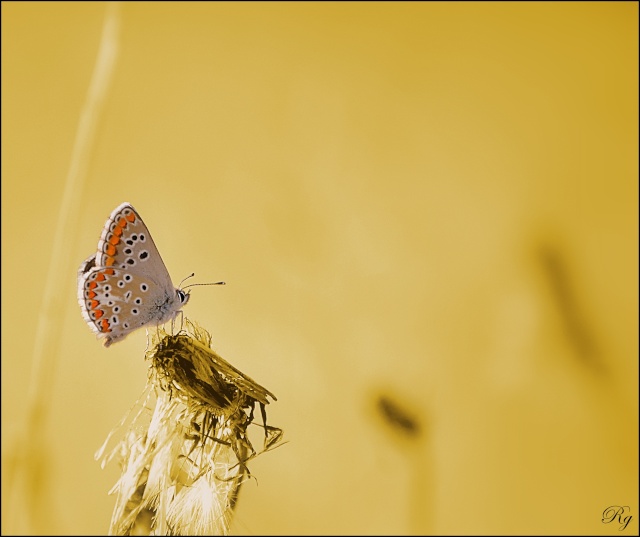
x: 30, y: 459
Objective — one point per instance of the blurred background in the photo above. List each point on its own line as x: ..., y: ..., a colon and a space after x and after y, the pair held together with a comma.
x: 426, y: 215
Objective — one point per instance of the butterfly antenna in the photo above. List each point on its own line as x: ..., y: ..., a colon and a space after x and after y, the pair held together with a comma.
x: 183, y: 279
x: 196, y: 284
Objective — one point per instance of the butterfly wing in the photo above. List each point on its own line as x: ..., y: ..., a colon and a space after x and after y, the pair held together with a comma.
x: 125, y: 285
x: 110, y: 307
x: 126, y: 244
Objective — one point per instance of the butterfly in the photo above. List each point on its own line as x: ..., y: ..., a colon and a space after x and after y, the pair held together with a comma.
x: 125, y: 285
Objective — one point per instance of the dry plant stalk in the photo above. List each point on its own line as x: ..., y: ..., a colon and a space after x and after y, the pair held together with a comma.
x: 184, y: 460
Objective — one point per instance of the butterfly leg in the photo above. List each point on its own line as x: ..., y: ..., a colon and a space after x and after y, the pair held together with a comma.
x: 173, y: 322
x: 181, y: 320
x: 148, y: 340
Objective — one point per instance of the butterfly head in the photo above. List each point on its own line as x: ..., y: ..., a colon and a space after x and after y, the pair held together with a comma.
x: 183, y: 296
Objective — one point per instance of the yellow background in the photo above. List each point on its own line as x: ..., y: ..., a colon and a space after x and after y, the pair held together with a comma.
x: 433, y: 204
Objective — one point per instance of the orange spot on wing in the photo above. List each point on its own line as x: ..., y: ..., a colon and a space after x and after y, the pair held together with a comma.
x: 122, y: 223
x: 110, y: 249
x: 114, y: 239
x: 100, y: 277
x: 99, y: 313
x: 109, y: 261
x: 93, y: 285
x: 117, y: 231
x: 131, y: 217
x: 105, y: 325
x: 93, y: 304
x: 92, y: 294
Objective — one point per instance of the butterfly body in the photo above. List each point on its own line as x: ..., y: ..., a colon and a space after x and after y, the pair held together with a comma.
x: 125, y: 285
